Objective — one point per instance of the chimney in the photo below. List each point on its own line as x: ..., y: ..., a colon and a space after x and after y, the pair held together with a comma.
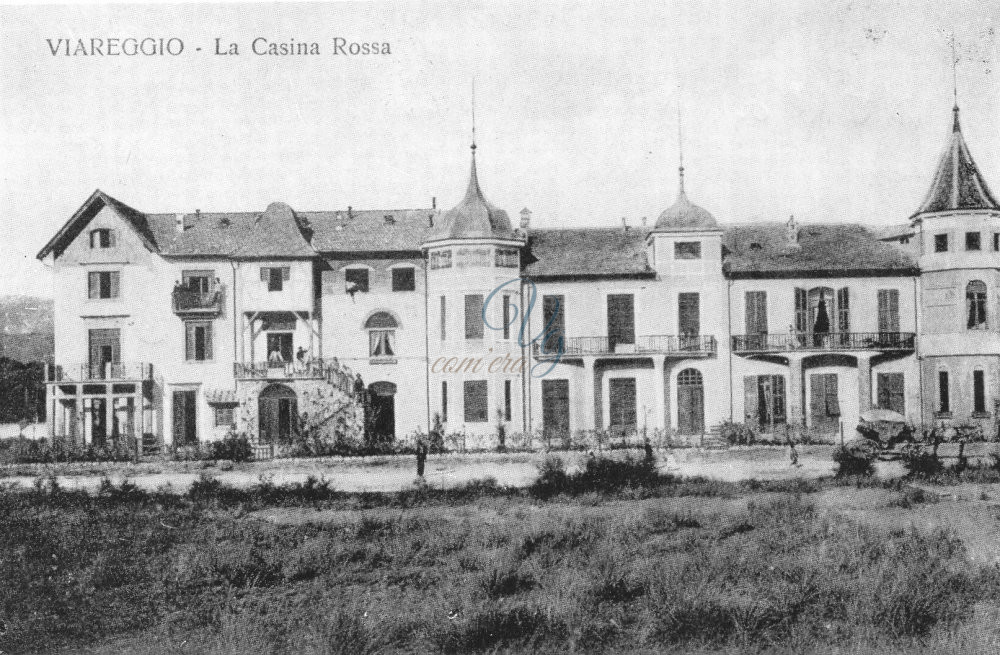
x: 430, y: 220
x: 792, y: 233
x: 389, y: 219
x: 350, y: 212
x: 525, y: 218
x: 624, y: 223
x: 644, y: 221
x: 179, y: 222
x: 434, y: 202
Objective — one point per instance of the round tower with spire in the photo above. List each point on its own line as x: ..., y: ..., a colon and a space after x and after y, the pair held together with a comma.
x: 959, y: 227
x: 473, y: 293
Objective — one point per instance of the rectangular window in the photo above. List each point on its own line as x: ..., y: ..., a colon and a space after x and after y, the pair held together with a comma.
x: 622, y: 404
x: 506, y: 317
x: 279, y: 347
x: 440, y: 259
x: 474, y: 316
x: 756, y: 312
x: 621, y: 319
x: 888, y: 310
x: 103, y: 284
x: 944, y: 398
x: 198, y: 341
x: 996, y: 242
x: 506, y: 400
x: 687, y: 250
x: 978, y: 392
x: 508, y: 258
x: 554, y: 323
x: 972, y: 241
x: 444, y: 318
x: 891, y: 392
x: 940, y: 243
x: 201, y: 281
x: 764, y: 400
x: 224, y: 417
x: 689, y: 314
x: 275, y: 276
x: 444, y: 402
x: 404, y: 279
x: 357, y: 279
x: 102, y: 238
x: 476, y: 401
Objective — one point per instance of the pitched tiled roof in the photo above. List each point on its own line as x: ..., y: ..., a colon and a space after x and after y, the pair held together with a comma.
x: 957, y: 183
x: 587, y: 253
x: 370, y: 230
x: 97, y: 201
x: 761, y: 250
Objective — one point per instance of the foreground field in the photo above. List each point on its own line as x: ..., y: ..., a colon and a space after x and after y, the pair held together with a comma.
x: 672, y: 566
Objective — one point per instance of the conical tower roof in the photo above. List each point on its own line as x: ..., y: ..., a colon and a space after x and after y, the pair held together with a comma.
x: 957, y: 184
x: 474, y: 217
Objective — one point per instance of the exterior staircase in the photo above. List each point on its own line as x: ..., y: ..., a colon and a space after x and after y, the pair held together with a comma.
x: 713, y: 439
x: 151, y: 445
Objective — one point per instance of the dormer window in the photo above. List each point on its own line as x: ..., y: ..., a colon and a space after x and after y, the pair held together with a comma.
x: 275, y: 276
x: 687, y: 250
x: 102, y: 238
x: 972, y: 241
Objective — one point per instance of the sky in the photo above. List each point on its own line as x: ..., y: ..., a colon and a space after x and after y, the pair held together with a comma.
x: 831, y: 111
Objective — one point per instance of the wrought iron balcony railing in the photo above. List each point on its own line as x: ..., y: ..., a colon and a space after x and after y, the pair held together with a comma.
x: 658, y: 344
x: 202, y: 303
x: 832, y: 341
x: 117, y: 372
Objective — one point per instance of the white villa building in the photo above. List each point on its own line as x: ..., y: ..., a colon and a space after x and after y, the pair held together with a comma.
x: 178, y: 328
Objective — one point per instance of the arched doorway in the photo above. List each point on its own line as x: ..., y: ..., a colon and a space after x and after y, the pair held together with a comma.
x: 690, y: 402
x: 278, y: 413
x: 380, y: 411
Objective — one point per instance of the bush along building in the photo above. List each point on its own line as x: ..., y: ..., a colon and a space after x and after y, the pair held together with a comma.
x: 357, y: 327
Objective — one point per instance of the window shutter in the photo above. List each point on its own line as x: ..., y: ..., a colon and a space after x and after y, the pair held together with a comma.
x: 689, y: 311
x: 801, y: 311
x: 265, y: 274
x: 208, y: 341
x: 751, y: 407
x: 286, y: 273
x: 474, y: 316
x: 843, y: 310
x: 778, y: 393
x: 189, y: 341
x: 832, y: 397
x: 111, y: 239
x: 115, y: 283
x: 93, y: 285
x: 756, y: 312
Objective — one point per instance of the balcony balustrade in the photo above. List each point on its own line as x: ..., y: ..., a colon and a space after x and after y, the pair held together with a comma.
x: 191, y: 302
x: 114, y: 372
x: 826, y: 342
x: 659, y: 344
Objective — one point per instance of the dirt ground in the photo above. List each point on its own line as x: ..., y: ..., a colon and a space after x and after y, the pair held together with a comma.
x: 394, y: 473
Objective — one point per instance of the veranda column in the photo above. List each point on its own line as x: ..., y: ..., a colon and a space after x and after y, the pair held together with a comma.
x: 864, y: 383
x: 659, y: 391
x: 588, y: 410
x: 795, y: 390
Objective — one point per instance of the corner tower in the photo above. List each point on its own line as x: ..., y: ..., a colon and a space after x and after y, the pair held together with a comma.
x: 959, y: 227
x: 473, y: 296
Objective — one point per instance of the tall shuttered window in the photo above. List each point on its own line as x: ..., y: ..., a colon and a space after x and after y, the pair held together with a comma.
x: 888, y: 310
x: 474, y: 316
x: 476, y: 401
x: 891, y: 392
x: 978, y: 392
x: 944, y: 393
x: 198, y: 341
x: 689, y: 314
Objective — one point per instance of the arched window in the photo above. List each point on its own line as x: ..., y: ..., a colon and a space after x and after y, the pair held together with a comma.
x: 381, y: 328
x: 975, y: 303
x: 689, y: 376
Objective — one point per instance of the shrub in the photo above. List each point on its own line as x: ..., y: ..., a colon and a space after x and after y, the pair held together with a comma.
x: 855, y: 458
x: 919, y: 462
x: 737, y: 434
x: 235, y: 447
x: 552, y: 478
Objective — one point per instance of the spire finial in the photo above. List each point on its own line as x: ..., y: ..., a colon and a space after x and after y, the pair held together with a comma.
x: 680, y: 148
x: 473, y: 116
x: 955, y: 127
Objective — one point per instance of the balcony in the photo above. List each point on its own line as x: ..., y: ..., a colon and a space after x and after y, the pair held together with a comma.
x: 312, y: 369
x: 191, y: 302
x: 661, y: 344
x: 110, y: 372
x: 754, y: 344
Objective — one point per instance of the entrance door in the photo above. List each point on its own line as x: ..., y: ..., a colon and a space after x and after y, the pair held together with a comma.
x: 621, y: 320
x: 824, y: 402
x: 380, y: 412
x: 105, y: 348
x: 555, y: 408
x: 277, y: 413
x: 622, y: 405
x: 185, y: 418
x: 690, y: 402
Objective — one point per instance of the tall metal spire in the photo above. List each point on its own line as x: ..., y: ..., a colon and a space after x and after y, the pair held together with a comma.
x: 956, y: 127
x: 680, y: 148
x: 473, y: 117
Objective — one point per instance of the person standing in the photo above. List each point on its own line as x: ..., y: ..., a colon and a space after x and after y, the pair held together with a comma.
x: 421, y: 457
